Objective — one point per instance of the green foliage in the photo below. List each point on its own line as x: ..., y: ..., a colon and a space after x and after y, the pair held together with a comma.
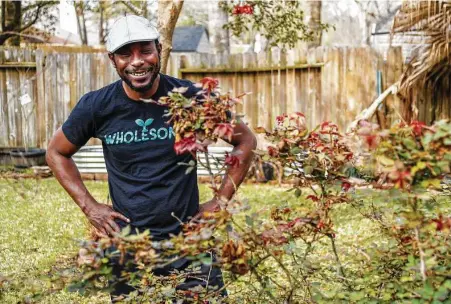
x: 280, y: 22
x: 330, y: 238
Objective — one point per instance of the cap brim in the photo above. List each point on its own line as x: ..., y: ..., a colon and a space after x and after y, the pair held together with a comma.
x: 131, y: 41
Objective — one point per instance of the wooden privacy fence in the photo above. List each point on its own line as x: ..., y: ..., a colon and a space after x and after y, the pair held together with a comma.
x: 40, y: 86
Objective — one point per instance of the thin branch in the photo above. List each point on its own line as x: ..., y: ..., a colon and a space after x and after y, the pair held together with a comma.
x: 32, y: 21
x: 337, y: 259
x: 131, y: 7
x: 422, y: 255
x: 259, y: 279
x: 212, y: 176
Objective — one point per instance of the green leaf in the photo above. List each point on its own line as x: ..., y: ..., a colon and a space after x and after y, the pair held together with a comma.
x: 419, y: 166
x: 126, y: 231
x: 385, y: 161
x: 356, y: 296
x: 434, y: 183
x: 409, y: 143
x: 308, y: 170
x: 295, y: 150
x: 249, y: 221
x: 298, y: 192
x: 447, y: 156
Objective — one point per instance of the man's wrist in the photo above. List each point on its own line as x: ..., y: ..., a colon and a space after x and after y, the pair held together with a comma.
x: 87, y: 205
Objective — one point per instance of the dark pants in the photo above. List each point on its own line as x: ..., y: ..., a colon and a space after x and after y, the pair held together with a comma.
x: 210, y: 274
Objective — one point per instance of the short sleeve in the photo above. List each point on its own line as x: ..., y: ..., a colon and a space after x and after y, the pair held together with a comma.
x: 79, y: 126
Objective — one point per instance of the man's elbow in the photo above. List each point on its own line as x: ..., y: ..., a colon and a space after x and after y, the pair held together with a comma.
x: 51, y: 156
x: 250, y: 141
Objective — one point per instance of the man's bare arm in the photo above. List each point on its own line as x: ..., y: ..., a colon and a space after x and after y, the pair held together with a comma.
x: 244, y: 143
x: 59, y: 158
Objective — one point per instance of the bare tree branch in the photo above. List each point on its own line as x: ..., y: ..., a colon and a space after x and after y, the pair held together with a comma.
x: 32, y: 21
x: 135, y: 10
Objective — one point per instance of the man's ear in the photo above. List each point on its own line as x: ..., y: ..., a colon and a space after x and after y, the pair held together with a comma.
x: 111, y: 56
x: 159, y: 48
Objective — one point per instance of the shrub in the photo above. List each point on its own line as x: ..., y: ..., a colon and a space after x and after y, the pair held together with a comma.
x: 292, y: 254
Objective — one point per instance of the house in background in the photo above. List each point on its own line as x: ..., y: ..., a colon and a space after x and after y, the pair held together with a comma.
x: 190, y: 39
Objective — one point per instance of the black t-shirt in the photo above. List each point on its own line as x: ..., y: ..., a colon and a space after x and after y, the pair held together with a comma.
x: 146, y: 184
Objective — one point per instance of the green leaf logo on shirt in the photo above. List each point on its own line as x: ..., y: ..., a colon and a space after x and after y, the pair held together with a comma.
x: 143, y: 123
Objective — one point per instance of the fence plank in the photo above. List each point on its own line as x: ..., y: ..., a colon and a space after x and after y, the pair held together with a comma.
x: 339, y: 84
x: 4, y: 113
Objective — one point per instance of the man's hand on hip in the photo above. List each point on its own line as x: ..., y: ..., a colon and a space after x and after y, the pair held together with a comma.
x: 102, y: 217
x: 210, y: 206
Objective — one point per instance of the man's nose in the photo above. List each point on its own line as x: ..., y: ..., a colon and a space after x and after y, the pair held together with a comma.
x: 137, y: 60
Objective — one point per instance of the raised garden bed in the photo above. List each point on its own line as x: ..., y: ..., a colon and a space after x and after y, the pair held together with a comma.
x: 27, y: 157
x: 5, y: 156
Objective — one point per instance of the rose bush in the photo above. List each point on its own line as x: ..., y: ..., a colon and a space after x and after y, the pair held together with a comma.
x: 297, y: 252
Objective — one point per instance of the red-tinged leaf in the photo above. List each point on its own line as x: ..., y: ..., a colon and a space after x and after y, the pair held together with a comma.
x: 232, y: 160
x: 224, y: 130
x: 209, y: 83
x: 188, y: 144
x: 345, y: 186
x: 313, y: 198
x: 273, y: 152
x: 417, y: 127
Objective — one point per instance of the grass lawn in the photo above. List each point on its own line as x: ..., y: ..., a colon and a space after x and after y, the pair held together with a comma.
x: 41, y: 227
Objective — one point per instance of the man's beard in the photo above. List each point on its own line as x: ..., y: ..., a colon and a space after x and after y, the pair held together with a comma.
x: 148, y: 86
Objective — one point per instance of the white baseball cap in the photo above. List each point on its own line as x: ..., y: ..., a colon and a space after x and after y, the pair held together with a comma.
x: 128, y: 29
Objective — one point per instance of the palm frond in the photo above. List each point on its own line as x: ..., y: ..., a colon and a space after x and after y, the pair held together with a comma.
x: 433, y: 20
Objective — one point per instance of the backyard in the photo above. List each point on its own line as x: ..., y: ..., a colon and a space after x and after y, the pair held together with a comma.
x: 341, y: 110
x: 42, y: 230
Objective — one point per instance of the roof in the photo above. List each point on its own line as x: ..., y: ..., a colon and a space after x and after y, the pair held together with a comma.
x: 187, y: 38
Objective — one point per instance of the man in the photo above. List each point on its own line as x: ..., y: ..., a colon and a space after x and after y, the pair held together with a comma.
x: 146, y: 185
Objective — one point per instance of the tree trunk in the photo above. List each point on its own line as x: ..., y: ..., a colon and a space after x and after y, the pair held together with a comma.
x: 81, y: 24
x: 101, y: 28
x: 11, y: 22
x: 219, y: 37
x: 3, y: 17
x: 314, y: 22
x: 168, y: 13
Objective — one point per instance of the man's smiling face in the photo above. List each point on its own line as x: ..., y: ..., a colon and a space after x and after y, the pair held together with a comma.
x: 138, y: 64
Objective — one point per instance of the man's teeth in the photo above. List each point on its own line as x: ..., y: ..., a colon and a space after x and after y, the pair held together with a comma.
x: 139, y: 74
